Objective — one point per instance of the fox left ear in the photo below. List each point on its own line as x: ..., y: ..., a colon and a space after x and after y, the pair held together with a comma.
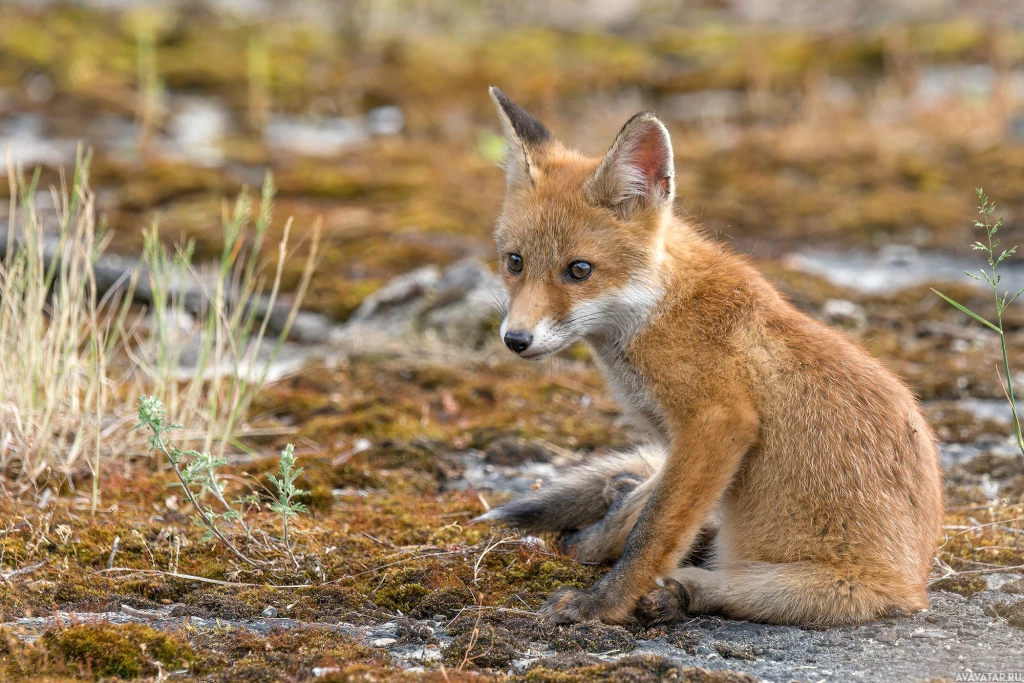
x: 637, y: 171
x: 525, y: 135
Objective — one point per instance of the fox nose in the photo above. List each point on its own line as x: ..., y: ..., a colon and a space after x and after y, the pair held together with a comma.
x: 518, y: 341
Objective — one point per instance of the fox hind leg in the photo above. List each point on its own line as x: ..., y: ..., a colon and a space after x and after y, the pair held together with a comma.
x: 604, y: 539
x: 796, y: 593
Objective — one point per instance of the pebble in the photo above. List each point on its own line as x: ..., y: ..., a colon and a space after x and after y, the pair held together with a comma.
x: 936, y: 634
x: 844, y: 312
x: 320, y: 671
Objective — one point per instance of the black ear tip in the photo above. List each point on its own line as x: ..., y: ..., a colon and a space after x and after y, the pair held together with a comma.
x: 528, y: 129
x: 499, y: 96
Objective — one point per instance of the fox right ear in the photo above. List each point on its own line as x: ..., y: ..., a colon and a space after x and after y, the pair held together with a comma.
x: 638, y: 170
x: 525, y: 135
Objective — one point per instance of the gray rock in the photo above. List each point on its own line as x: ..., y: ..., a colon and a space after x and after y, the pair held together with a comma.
x: 458, y: 305
x: 933, y: 634
x: 845, y: 313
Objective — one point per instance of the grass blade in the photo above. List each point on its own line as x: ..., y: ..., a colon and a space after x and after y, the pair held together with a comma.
x: 968, y: 311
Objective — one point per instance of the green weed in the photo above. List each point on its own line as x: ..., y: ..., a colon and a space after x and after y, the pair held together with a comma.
x: 991, y: 248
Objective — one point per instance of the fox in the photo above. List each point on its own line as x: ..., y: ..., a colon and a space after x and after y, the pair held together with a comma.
x: 785, y: 475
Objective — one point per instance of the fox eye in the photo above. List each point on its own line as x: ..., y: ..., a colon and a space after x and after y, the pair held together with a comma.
x: 579, y: 270
x: 515, y: 263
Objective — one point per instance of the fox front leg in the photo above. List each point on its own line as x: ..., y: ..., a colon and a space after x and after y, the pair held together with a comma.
x: 707, y: 450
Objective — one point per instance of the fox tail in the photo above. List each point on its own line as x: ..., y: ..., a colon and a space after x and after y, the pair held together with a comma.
x: 594, y: 506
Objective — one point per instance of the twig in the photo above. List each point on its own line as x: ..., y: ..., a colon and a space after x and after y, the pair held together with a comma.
x: 476, y: 566
x: 113, y: 552
x: 202, y: 579
x: 992, y: 570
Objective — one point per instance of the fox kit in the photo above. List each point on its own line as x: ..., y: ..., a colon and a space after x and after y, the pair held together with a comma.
x: 796, y: 463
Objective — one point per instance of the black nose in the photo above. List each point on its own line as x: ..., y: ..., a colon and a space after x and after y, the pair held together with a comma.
x: 518, y: 341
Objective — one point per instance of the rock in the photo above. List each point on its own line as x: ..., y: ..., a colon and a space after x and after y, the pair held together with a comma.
x: 321, y: 671
x: 511, y: 452
x: 397, y: 293
x: 385, y: 120
x: 458, y: 304
x: 1015, y: 128
x: 844, y: 313
x: 270, y: 612
x: 409, y: 631
x: 933, y: 634
x: 315, y: 138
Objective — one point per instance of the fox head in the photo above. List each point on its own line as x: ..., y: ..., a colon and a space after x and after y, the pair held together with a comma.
x: 581, y: 240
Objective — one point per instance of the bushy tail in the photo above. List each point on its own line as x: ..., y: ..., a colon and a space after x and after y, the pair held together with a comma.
x: 581, y: 495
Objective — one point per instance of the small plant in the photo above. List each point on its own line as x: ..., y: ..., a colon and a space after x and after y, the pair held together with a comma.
x: 286, y: 506
x: 192, y: 469
x: 991, y: 247
x: 198, y: 477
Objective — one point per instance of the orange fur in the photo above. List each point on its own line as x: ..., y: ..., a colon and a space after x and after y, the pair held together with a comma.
x: 814, y: 459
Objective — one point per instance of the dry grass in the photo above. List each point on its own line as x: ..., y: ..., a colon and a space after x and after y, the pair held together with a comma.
x: 77, y: 357
x: 58, y: 388
x: 209, y: 372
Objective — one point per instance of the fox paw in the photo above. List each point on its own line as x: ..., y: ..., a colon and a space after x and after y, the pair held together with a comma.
x: 572, y: 605
x: 663, y: 604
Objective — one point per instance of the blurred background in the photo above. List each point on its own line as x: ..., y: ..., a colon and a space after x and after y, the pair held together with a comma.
x: 798, y: 126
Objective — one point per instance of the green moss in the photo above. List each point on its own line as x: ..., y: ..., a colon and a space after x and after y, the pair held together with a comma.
x: 964, y: 585
x: 636, y: 669
x: 1013, y: 612
x: 546, y: 576
x: 487, y: 647
x: 240, y: 655
x: 593, y: 636
x: 401, y: 590
x: 126, y: 650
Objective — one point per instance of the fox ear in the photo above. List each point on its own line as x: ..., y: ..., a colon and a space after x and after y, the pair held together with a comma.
x: 637, y: 171
x: 525, y: 136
